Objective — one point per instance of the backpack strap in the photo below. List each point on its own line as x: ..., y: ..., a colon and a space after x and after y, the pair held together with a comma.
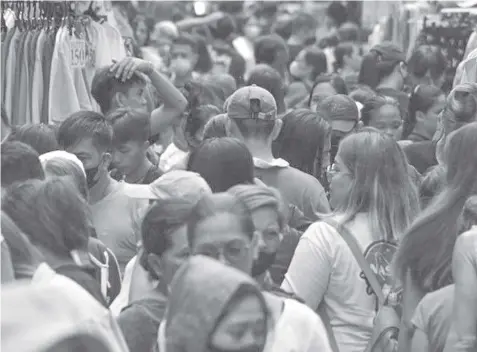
x: 358, y: 255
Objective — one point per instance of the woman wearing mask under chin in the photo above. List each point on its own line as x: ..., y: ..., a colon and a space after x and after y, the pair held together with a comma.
x: 189, y: 59
x: 213, y: 308
x: 307, y: 66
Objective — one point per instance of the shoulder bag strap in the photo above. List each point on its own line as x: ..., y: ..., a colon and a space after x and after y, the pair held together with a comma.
x: 358, y: 255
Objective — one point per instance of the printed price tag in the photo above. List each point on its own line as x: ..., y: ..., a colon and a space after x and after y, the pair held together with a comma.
x: 79, y: 53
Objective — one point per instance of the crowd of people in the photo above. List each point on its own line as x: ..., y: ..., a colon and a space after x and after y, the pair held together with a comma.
x: 256, y: 181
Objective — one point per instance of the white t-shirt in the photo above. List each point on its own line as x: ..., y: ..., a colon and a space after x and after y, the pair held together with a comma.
x: 324, y: 269
x: 173, y: 158
x: 299, y: 329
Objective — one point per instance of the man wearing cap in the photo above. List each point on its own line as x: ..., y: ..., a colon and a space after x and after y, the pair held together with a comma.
x: 343, y: 115
x: 174, y: 184
x: 252, y: 113
x: 392, y: 73
x: 144, y: 298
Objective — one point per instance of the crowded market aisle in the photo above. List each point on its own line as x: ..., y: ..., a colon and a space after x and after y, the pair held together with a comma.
x: 239, y: 176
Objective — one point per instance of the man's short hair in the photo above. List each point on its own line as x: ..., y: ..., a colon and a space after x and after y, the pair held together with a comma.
x: 267, y: 48
x: 130, y: 125
x: 105, y: 86
x: 20, y: 162
x: 86, y: 124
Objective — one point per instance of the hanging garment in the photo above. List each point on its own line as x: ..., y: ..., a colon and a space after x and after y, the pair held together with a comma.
x: 31, y: 69
x: 70, y: 80
x: 46, y: 68
x: 20, y: 99
x: 5, y: 51
x: 37, y: 79
x: 11, y: 73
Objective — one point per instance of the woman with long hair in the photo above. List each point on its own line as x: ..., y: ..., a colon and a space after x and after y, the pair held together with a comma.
x: 374, y: 197
x: 304, y: 141
x: 422, y: 270
x: 56, y: 219
x: 463, y: 335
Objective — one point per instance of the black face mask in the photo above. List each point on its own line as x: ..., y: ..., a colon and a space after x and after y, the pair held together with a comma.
x: 263, y: 263
x: 92, y: 176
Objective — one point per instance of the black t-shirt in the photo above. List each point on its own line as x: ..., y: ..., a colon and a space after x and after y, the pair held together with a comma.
x: 83, y: 278
x: 421, y: 155
x: 139, y: 323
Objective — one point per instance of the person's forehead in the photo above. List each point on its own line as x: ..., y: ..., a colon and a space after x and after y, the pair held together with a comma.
x: 387, y: 111
x: 221, y: 228
x: 83, y: 146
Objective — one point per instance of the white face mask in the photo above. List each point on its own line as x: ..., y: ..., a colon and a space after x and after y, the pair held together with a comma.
x: 181, y: 67
x: 295, y: 70
x: 252, y: 31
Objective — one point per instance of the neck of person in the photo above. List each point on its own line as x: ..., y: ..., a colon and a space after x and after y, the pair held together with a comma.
x: 180, y: 81
x: 390, y: 82
x: 138, y: 174
x: 101, y: 189
x: 420, y: 133
x: 260, y: 150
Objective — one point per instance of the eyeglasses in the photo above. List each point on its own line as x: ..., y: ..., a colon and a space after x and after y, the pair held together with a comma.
x: 232, y: 251
x: 331, y: 171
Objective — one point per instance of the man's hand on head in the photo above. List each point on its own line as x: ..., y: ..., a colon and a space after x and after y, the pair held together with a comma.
x: 126, y: 68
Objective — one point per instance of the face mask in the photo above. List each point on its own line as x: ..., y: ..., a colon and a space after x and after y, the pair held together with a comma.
x: 181, y: 67
x: 92, y: 176
x: 295, y: 70
x: 263, y: 263
x: 252, y: 31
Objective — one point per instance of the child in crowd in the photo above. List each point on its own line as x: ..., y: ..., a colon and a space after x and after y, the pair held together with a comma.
x: 132, y: 130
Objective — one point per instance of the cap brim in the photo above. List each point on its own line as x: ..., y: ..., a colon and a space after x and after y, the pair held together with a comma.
x: 345, y: 126
x: 466, y: 4
x: 141, y: 191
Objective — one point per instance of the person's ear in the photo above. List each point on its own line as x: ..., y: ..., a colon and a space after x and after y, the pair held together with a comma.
x: 276, y: 129
x: 154, y: 263
x: 232, y: 130
x: 119, y: 99
x: 420, y: 115
x: 146, y: 145
x: 107, y: 158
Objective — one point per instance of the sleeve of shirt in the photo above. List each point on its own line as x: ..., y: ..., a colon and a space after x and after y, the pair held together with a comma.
x: 420, y: 319
x: 464, y: 320
x: 311, y: 266
x: 315, y: 202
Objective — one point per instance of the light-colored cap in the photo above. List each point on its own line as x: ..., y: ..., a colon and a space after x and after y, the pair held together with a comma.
x: 252, y: 102
x: 174, y: 184
x: 61, y: 154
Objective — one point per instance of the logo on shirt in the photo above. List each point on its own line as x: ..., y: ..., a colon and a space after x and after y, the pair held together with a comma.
x: 380, y: 255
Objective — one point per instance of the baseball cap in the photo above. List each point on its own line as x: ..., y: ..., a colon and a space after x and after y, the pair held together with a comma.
x: 390, y: 52
x: 252, y: 102
x: 341, y: 111
x: 61, y: 154
x: 176, y: 183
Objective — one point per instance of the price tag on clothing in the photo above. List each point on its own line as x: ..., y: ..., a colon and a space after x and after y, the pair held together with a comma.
x: 79, y: 53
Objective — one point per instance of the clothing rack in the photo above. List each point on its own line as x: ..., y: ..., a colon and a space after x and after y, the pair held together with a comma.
x: 50, y: 54
x: 451, y: 31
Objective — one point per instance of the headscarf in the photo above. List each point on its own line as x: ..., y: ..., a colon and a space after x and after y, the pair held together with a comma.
x: 200, y: 292
x: 61, y: 154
